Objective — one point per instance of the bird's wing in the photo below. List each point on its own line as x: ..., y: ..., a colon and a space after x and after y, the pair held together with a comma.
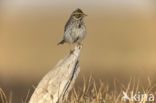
x: 67, y: 24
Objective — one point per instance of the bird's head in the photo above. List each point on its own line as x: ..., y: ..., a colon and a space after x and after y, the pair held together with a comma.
x: 78, y: 14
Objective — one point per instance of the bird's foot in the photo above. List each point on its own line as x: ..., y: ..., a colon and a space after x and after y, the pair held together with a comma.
x: 80, y: 44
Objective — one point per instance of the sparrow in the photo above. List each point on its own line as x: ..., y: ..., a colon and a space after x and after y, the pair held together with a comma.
x: 75, y: 28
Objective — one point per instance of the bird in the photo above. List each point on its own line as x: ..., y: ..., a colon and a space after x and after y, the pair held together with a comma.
x: 75, y: 28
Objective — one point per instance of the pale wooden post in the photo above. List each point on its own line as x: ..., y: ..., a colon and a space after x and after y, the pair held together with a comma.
x: 56, y: 84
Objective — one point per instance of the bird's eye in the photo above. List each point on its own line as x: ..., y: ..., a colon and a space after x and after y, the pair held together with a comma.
x: 77, y: 15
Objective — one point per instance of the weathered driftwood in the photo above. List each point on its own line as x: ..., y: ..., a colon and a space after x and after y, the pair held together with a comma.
x: 56, y: 84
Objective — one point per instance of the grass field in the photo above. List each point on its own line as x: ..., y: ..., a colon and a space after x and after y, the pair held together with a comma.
x: 100, y: 92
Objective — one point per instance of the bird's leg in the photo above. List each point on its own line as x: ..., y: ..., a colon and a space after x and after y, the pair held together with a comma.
x: 80, y: 44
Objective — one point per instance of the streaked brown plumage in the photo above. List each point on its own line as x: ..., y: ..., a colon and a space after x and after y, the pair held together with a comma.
x: 75, y: 29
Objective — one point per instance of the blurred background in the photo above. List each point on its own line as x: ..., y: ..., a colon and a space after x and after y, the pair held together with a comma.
x: 120, y: 42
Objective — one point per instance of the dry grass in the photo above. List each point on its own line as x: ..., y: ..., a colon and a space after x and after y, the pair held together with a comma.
x: 3, y: 96
x: 101, y: 92
x: 93, y: 92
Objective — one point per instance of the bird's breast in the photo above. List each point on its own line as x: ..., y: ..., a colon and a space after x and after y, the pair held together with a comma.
x: 75, y: 31
x: 79, y: 32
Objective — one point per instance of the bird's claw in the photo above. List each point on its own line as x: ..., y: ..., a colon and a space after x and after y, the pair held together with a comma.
x: 80, y: 44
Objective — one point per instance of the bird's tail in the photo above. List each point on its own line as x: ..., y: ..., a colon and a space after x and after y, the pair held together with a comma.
x: 61, y: 42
